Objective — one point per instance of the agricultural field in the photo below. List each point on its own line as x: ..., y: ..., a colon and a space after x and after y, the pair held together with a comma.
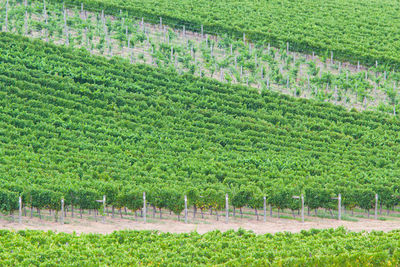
x: 112, y: 119
x: 125, y: 248
x: 365, y: 30
x: 169, y: 116
x: 257, y: 64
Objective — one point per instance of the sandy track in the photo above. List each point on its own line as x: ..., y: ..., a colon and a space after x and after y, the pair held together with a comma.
x: 272, y: 225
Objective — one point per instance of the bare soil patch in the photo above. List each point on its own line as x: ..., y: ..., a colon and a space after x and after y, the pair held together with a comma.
x: 272, y: 225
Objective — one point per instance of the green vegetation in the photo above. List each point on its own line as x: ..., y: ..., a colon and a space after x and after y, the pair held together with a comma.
x: 78, y: 126
x: 365, y: 30
x: 254, y: 64
x: 125, y: 248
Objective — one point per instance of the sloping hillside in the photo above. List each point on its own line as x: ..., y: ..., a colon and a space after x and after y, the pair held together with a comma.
x: 79, y: 126
x: 354, y: 29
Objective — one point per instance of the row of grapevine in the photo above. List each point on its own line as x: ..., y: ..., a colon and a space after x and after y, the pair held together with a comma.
x: 253, y: 64
x: 314, y: 247
x: 173, y: 201
x: 365, y: 37
x: 80, y: 127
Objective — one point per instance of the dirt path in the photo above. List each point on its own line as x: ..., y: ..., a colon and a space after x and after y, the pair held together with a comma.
x: 272, y: 225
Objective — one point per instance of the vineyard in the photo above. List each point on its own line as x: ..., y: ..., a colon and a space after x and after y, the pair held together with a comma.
x: 179, y: 112
x: 225, y: 58
x: 356, y: 30
x: 98, y: 126
x: 125, y: 248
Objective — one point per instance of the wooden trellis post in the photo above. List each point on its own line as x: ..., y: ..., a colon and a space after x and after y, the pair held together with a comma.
x: 44, y: 11
x: 104, y: 207
x: 26, y: 22
x: 62, y: 211
x: 262, y: 72
x: 376, y: 206
x: 339, y: 198
x: 65, y: 26
x: 6, y: 22
x: 301, y: 197
x: 227, y: 208
x: 186, y: 210
x: 20, y: 210
x: 265, y: 209
x: 144, y: 206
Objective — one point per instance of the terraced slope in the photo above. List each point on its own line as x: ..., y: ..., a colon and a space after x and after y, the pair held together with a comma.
x: 355, y: 30
x: 79, y: 126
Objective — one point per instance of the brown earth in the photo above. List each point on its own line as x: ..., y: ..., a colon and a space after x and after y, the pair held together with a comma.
x: 272, y: 225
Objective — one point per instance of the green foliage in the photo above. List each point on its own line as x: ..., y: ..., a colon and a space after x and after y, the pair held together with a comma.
x: 132, y: 199
x: 80, y: 127
x: 241, y: 197
x: 330, y: 247
x: 8, y: 201
x: 318, y: 197
x: 43, y: 198
x: 357, y: 35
